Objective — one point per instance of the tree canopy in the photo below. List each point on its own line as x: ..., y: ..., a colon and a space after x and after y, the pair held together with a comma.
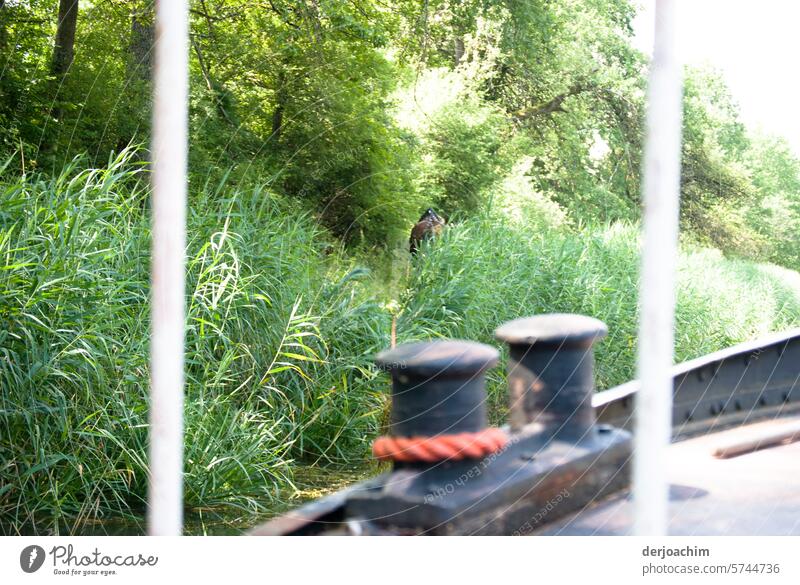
x: 306, y: 97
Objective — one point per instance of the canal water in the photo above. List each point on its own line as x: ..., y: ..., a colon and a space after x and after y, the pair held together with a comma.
x: 310, y: 482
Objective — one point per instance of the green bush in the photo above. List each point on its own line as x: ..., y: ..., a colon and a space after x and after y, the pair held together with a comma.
x: 465, y: 151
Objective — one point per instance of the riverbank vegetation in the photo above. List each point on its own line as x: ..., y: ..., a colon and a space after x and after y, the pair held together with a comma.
x: 315, y: 145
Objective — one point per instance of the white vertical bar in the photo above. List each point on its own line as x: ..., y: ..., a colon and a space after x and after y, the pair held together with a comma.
x: 657, y: 289
x: 169, y: 152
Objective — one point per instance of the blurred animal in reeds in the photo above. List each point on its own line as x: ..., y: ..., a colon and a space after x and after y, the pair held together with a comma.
x: 429, y: 225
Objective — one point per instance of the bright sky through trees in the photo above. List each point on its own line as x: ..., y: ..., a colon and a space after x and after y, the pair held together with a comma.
x: 754, y: 44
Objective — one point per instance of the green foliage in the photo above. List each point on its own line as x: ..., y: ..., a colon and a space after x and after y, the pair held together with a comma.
x: 515, y: 197
x: 486, y: 271
x: 774, y: 213
x: 740, y: 191
x: 319, y: 130
x: 366, y: 113
x: 271, y: 368
x: 281, y: 331
x: 466, y: 152
x: 25, y: 29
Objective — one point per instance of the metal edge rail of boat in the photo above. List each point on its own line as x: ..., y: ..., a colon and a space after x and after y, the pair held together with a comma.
x: 737, y: 385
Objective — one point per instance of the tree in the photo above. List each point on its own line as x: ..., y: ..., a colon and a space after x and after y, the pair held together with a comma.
x: 64, y: 49
x: 63, y: 54
x: 3, y: 32
x: 142, y: 37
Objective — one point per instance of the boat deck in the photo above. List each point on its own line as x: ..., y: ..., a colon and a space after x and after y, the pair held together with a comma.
x: 755, y: 493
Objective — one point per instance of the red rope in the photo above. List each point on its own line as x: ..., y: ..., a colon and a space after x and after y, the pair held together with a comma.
x: 440, y: 448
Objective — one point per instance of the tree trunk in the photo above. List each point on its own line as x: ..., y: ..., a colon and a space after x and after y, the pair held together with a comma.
x: 135, y: 109
x: 458, y: 50
x: 63, y: 52
x: 3, y: 33
x: 140, y: 61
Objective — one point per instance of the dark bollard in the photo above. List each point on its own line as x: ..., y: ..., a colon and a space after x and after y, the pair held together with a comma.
x: 438, y: 388
x: 452, y: 474
x: 551, y: 372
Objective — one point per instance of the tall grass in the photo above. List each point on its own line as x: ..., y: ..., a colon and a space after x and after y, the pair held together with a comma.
x: 488, y: 270
x: 282, y: 326
x: 278, y: 342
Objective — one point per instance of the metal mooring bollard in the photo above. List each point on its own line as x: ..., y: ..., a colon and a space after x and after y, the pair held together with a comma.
x: 438, y: 401
x: 452, y: 474
x: 551, y: 372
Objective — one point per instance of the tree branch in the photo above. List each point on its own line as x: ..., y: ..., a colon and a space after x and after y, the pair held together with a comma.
x: 551, y: 106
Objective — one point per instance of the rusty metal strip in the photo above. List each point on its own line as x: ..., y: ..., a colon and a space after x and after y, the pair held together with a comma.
x: 759, y: 438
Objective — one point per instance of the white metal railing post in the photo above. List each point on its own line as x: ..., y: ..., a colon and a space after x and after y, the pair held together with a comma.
x: 661, y: 191
x: 169, y: 155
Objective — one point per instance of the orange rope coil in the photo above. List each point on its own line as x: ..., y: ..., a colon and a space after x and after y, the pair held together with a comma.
x: 440, y: 447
